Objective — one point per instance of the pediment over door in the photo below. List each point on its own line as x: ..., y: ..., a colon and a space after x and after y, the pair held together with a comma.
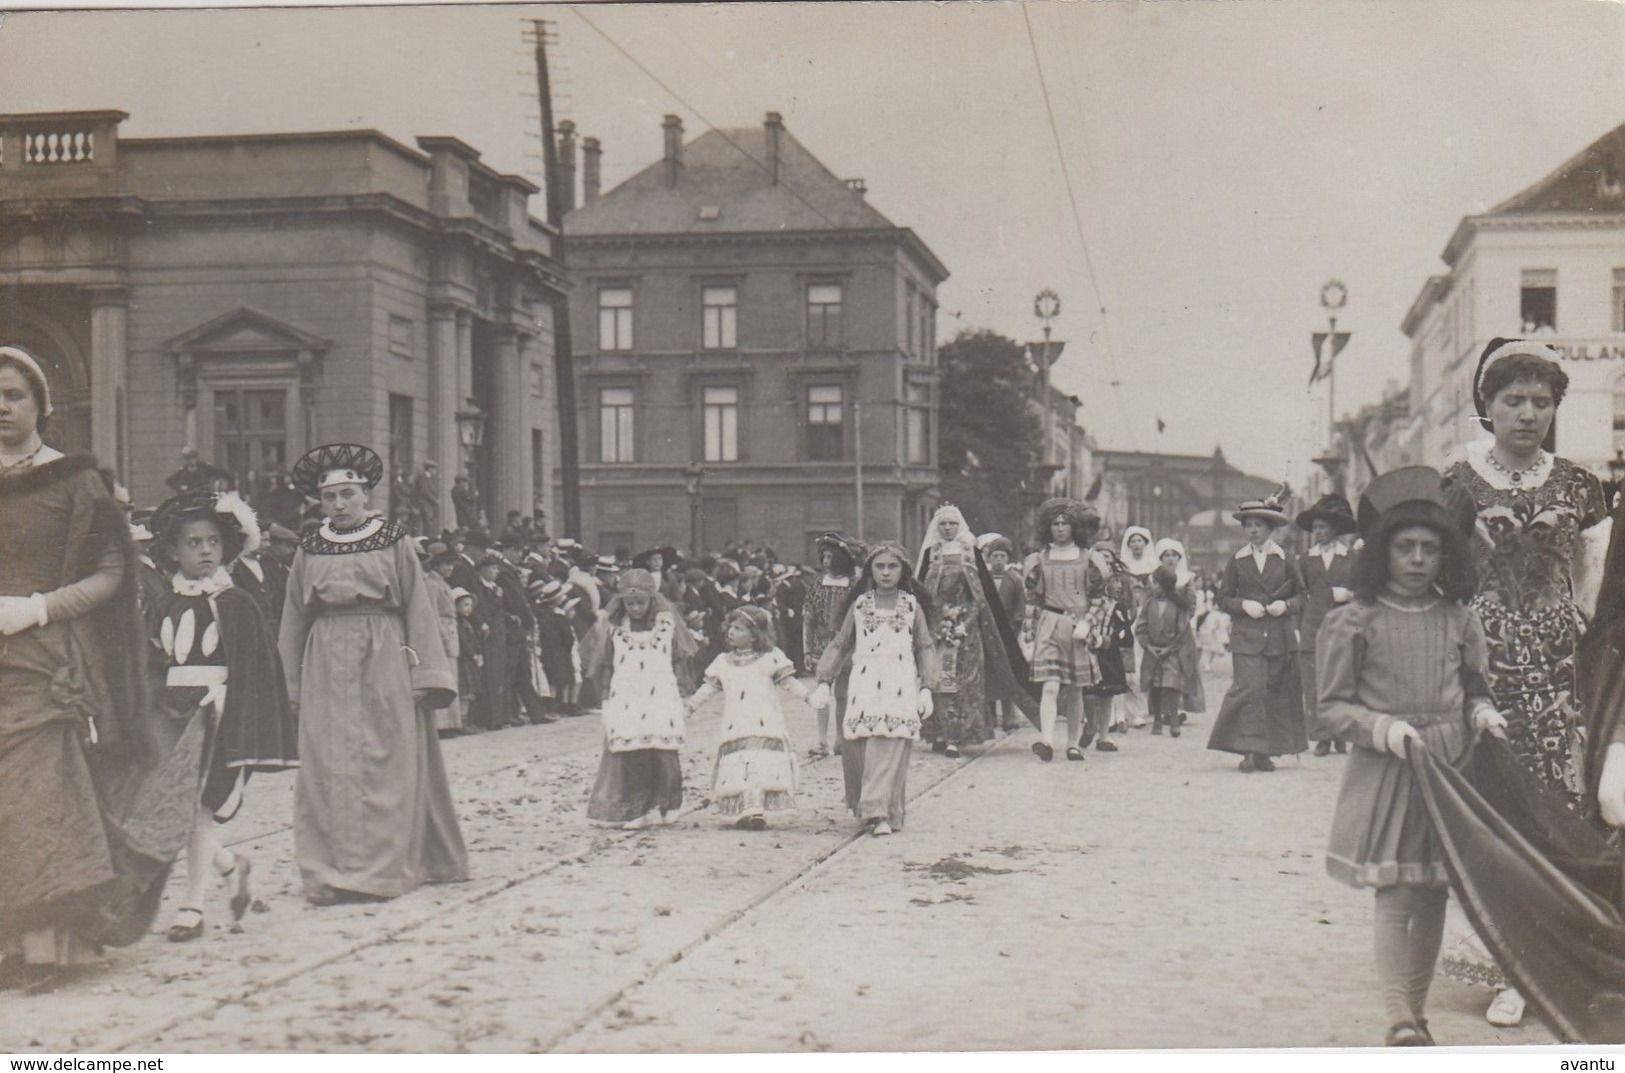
x: 246, y: 331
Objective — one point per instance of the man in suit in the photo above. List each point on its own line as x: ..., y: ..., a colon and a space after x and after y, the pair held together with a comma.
x: 1327, y: 570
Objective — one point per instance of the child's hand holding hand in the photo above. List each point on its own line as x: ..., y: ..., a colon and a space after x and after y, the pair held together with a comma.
x: 820, y: 699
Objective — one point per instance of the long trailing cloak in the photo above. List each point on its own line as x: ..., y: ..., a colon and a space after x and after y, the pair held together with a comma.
x: 1004, y: 665
x: 256, y: 730
x: 1600, y: 661
x: 1538, y: 882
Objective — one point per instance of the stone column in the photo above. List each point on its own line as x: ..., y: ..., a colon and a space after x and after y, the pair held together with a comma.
x: 445, y: 399
x: 510, y: 442
x: 109, y: 376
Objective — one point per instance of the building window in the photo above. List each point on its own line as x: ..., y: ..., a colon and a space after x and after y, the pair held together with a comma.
x: 615, y: 428
x: 1619, y: 299
x: 400, y: 337
x: 251, y: 432
x: 824, y: 315
x: 400, y: 433
x: 908, y: 321
x: 720, y: 311
x: 917, y: 424
x: 925, y: 328
x: 615, y: 318
x: 824, y: 419
x: 721, y: 413
x: 1537, y: 300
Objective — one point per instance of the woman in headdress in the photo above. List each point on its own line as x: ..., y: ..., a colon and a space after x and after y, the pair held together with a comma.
x: 821, y: 619
x: 885, y: 645
x: 95, y: 808
x: 976, y: 648
x: 642, y: 657
x: 1262, y: 714
x: 221, y: 673
x: 360, y: 644
x: 1543, y: 527
x: 1327, y: 569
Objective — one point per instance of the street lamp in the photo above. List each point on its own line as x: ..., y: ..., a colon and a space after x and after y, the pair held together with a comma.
x: 470, y: 431
x: 694, y: 483
x: 1046, y: 307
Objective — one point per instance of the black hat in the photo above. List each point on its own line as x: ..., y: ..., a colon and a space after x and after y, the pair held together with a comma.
x: 1332, y: 509
x: 239, y: 526
x: 1420, y: 490
x: 338, y: 463
x: 668, y: 557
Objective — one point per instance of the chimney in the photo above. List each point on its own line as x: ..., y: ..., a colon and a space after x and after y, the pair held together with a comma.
x: 674, y: 148
x: 567, y: 167
x: 591, y: 154
x: 774, y: 128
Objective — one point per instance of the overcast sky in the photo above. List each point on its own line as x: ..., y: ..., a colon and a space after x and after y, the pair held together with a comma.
x: 1227, y: 158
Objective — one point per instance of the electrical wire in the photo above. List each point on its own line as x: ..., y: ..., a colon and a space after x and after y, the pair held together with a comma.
x: 1077, y: 220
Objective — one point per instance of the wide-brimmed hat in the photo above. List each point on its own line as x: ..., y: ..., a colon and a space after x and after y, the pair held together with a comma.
x: 338, y: 463
x: 1332, y: 509
x: 1268, y: 509
x: 668, y: 557
x: 607, y: 563
x: 239, y: 525
x: 1419, y: 494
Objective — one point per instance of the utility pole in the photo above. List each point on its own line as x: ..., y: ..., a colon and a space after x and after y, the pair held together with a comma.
x: 563, y: 364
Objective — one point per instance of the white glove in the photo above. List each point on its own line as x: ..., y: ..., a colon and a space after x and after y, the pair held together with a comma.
x: 216, y: 696
x: 1400, y: 735
x: 1487, y: 718
x: 19, y: 613
x: 924, y: 707
x: 820, y: 699
x: 1277, y: 608
x: 1340, y: 595
x: 1253, y: 608
x: 1611, y: 787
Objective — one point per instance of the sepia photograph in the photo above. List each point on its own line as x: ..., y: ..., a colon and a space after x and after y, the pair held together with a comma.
x: 793, y: 528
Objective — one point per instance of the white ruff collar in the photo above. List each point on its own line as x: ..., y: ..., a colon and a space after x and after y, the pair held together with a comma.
x: 214, y: 584
x: 349, y: 536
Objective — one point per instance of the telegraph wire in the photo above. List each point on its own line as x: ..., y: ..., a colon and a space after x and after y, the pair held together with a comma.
x: 1077, y: 220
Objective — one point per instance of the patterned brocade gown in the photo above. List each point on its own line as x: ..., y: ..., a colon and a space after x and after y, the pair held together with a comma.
x: 1529, y: 538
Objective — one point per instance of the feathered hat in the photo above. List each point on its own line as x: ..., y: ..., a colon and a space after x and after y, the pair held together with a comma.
x: 1269, y: 509
x: 1332, y: 509
x: 239, y: 525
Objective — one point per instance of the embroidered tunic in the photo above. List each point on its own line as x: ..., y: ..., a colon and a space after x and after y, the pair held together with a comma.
x: 755, y: 768
x: 884, y: 646
x: 644, y: 709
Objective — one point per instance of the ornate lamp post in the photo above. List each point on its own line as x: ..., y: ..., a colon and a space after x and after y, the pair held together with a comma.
x: 470, y: 433
x: 694, y: 483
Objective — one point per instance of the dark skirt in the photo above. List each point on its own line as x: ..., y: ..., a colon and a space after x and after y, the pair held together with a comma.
x: 1263, y: 711
x: 636, y: 783
x: 1113, y: 674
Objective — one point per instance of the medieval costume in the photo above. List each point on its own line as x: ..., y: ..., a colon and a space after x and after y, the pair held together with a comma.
x: 1262, y: 714
x: 360, y: 644
x: 641, y: 656
x: 826, y: 602
x: 1070, y: 619
x: 977, y: 656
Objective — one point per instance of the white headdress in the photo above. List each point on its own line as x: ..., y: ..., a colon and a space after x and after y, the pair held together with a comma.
x: 933, y: 536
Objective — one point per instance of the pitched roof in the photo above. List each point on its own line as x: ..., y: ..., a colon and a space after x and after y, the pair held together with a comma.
x: 1593, y: 180
x: 727, y: 170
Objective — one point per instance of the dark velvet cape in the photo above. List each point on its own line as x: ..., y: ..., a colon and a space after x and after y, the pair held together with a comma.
x: 1006, y: 668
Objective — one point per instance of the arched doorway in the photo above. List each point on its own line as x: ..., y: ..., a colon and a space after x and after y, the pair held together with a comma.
x: 63, y: 358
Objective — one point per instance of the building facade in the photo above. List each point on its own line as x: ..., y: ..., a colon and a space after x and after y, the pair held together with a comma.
x: 1547, y: 263
x: 1187, y: 497
x: 253, y: 296
x: 739, y: 310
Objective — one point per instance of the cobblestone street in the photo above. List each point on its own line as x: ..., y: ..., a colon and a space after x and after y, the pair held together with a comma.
x: 1152, y: 898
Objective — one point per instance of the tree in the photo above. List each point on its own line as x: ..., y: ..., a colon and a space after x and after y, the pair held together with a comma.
x: 988, y: 437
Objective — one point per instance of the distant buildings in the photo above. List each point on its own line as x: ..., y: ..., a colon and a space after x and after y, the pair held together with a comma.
x: 1187, y: 497
x: 1548, y: 262
x: 255, y: 295
x: 739, y: 307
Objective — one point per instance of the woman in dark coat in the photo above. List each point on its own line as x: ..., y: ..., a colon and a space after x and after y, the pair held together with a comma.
x: 1262, y: 714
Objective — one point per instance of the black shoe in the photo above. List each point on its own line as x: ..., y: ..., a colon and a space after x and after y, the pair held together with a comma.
x: 1247, y: 763
x: 1173, y: 728
x: 1342, y: 748
x: 185, y: 933
x: 951, y: 751
x: 1323, y: 748
x: 1263, y: 763
x: 939, y: 746
x: 1043, y: 751
x: 1406, y: 1034
x: 1088, y: 736
x: 1074, y: 753
x: 1104, y: 746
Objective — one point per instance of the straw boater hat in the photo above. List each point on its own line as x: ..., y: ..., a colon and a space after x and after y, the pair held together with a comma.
x: 1332, y: 509
x: 1267, y: 509
x: 607, y: 564
x: 338, y: 463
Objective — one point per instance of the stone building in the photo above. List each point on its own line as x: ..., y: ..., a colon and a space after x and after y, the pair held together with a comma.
x: 1548, y: 262
x: 738, y: 309
x: 254, y: 295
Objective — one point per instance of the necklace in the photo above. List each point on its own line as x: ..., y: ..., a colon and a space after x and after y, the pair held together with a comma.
x: 350, y: 536
x: 1516, y: 476
x: 25, y: 461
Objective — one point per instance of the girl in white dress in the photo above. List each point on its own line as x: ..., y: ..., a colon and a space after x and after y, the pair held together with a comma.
x: 885, y: 639
x: 755, y: 770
